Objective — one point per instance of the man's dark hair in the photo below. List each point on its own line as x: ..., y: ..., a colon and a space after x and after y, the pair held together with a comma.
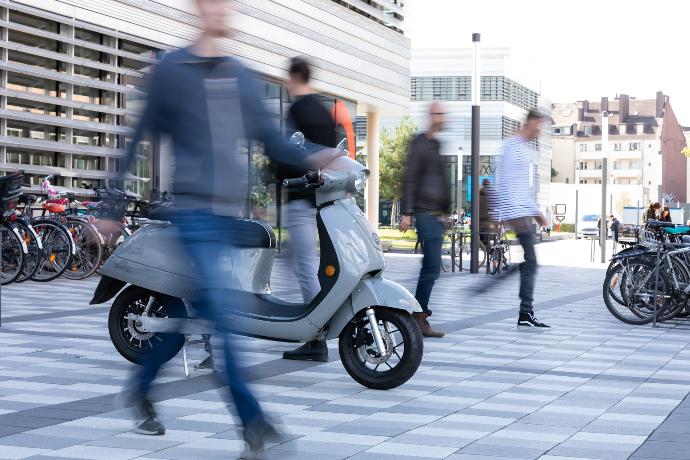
x: 300, y: 68
x: 534, y: 115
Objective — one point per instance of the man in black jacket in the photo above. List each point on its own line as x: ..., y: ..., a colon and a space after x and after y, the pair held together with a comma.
x: 427, y: 196
x: 309, y: 116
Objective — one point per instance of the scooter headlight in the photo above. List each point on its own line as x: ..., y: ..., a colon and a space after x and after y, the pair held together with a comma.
x: 361, y: 180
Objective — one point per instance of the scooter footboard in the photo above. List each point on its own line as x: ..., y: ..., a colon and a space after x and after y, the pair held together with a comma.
x: 372, y: 292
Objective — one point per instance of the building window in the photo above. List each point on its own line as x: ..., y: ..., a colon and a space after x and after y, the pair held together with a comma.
x: 634, y: 164
x: 617, y: 147
x: 597, y: 147
x: 588, y: 130
x: 634, y: 146
x: 557, y: 131
x: 459, y: 88
x: 583, y: 147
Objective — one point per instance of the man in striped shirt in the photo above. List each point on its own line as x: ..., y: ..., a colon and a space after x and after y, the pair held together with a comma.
x: 516, y: 205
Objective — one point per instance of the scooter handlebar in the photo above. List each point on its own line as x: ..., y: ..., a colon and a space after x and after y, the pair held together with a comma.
x: 296, y: 182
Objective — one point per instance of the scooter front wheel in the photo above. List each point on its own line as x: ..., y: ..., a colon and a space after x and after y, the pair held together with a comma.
x: 135, y: 344
x: 382, y: 371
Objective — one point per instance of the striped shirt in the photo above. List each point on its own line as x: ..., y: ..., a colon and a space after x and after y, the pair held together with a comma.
x: 516, y: 182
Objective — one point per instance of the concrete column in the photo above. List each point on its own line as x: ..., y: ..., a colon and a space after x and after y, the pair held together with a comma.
x: 373, y: 165
x: 4, y: 16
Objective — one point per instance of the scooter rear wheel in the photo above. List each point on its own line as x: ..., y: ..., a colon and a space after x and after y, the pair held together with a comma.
x: 134, y: 344
x: 404, y: 349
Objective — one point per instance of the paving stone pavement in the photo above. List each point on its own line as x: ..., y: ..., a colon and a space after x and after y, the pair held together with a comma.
x: 590, y: 387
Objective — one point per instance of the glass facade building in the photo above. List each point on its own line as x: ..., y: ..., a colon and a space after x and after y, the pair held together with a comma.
x: 71, y: 93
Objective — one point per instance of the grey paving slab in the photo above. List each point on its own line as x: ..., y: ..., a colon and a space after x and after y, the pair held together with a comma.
x: 486, y: 390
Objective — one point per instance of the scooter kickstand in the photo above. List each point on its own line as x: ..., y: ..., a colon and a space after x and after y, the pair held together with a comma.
x: 209, y: 362
x: 184, y: 356
x: 376, y: 332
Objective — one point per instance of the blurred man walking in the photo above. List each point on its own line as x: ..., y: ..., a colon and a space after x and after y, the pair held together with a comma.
x: 426, y: 196
x: 312, y: 119
x: 206, y: 102
x: 516, y: 205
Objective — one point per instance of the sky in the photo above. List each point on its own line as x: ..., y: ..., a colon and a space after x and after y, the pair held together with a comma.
x: 577, y: 50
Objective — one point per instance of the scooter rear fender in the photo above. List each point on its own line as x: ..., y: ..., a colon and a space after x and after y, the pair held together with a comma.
x: 106, y: 290
x: 372, y: 292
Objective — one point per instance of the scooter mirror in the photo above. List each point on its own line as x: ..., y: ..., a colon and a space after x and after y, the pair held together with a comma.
x: 342, y: 145
x: 297, y: 138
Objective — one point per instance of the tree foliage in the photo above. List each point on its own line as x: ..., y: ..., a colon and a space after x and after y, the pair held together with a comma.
x: 393, y: 158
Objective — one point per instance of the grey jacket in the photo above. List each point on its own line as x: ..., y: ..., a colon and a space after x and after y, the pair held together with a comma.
x: 208, y: 116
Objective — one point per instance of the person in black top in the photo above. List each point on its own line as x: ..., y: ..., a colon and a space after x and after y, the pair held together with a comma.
x: 426, y: 195
x: 309, y: 116
x: 665, y: 215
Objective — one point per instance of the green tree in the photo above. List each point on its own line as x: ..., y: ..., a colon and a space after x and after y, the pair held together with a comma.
x: 262, y: 174
x: 393, y: 157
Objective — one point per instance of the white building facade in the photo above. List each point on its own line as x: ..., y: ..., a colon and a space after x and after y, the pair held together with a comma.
x: 72, y: 75
x: 506, y: 98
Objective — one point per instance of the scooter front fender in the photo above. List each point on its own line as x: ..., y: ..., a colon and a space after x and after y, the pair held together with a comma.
x: 372, y: 292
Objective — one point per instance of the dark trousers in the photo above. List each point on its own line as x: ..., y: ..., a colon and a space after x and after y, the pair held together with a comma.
x: 204, y: 236
x: 430, y: 234
x: 528, y: 269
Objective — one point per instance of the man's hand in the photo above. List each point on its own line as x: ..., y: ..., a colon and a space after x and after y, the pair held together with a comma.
x: 405, y: 223
x: 321, y: 158
x: 541, y: 220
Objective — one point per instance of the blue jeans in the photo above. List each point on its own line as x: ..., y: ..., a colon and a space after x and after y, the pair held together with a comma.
x: 203, y: 235
x: 430, y: 234
x: 301, y: 223
x: 528, y: 269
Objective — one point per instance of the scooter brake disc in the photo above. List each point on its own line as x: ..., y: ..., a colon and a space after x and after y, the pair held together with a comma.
x: 368, y: 353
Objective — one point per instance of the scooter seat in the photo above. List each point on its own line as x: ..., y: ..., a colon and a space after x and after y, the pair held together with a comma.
x: 248, y: 233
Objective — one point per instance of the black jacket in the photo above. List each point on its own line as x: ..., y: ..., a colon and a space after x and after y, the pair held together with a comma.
x: 426, y: 187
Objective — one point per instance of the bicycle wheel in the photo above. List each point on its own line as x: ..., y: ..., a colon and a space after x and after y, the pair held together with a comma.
x: 634, y: 283
x: 13, y: 252
x: 88, y: 249
x: 112, y: 238
x: 57, y: 251
x: 34, y: 250
x: 495, y: 260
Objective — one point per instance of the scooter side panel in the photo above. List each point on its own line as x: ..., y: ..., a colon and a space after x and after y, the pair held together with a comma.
x: 371, y: 292
x: 357, y: 256
x: 154, y: 258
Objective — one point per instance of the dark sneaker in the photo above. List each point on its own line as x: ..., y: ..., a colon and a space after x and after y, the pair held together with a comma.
x: 257, y: 435
x: 147, y: 420
x: 528, y: 319
x: 316, y: 350
x: 150, y: 427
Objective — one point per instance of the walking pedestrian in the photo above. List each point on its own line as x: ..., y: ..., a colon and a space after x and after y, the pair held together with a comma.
x: 487, y: 220
x: 517, y: 206
x: 206, y: 102
x: 309, y: 116
x: 426, y: 196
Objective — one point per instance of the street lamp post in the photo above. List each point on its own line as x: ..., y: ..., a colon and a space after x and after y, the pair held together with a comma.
x: 458, y: 185
x: 604, y: 180
x: 476, y: 89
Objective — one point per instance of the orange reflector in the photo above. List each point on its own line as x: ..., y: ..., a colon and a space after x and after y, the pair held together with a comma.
x: 330, y: 271
x: 52, y: 258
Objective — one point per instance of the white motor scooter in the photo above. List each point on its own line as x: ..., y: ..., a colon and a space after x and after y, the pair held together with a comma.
x: 380, y: 343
